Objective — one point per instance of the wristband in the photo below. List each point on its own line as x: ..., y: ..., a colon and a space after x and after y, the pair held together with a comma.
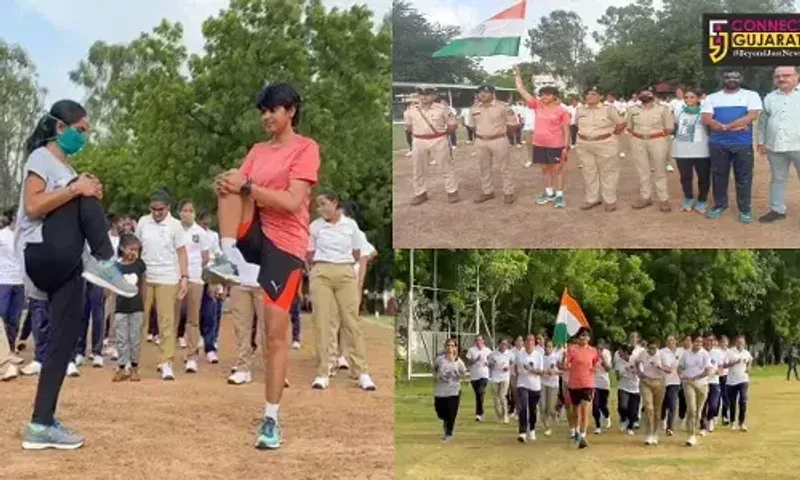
x: 184, y: 277
x: 246, y: 189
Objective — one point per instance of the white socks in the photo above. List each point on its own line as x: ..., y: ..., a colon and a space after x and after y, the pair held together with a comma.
x: 271, y: 411
x: 548, y: 191
x: 233, y: 253
x: 560, y: 193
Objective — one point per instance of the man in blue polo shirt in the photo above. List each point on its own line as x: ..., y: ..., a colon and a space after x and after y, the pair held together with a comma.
x: 730, y: 114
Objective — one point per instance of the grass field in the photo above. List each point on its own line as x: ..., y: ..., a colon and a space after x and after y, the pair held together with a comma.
x: 769, y: 451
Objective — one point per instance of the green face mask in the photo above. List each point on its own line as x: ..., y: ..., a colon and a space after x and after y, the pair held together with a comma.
x: 71, y: 141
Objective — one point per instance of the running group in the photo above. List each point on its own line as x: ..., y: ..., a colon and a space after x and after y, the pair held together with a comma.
x: 702, y: 383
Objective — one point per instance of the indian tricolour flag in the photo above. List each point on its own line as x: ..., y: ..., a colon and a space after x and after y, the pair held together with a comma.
x: 570, y: 319
x: 500, y: 35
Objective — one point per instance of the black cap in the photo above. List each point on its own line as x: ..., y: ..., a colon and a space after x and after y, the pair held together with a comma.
x: 486, y: 88
x: 592, y: 89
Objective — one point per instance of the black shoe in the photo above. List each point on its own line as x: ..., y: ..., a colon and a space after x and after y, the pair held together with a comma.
x: 771, y: 217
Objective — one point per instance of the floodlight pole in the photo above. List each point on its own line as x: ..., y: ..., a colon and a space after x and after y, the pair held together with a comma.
x: 410, y: 313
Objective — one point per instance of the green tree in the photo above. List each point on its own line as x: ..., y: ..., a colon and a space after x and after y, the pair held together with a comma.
x: 558, y: 43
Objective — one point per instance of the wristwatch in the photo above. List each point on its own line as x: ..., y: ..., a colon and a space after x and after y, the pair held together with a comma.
x: 246, y: 189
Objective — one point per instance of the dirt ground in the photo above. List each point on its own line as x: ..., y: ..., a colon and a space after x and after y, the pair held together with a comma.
x: 200, y: 427
x: 437, y: 224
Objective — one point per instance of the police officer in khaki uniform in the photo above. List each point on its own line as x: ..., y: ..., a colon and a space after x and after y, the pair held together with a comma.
x: 650, y: 125
x: 494, y: 121
x: 430, y: 123
x: 598, y: 128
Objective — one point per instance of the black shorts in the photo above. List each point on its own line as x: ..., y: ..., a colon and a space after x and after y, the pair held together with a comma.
x: 578, y: 395
x: 546, y: 156
x: 281, y: 273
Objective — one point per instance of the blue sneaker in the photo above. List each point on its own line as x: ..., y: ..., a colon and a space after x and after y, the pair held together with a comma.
x: 269, y: 435
x: 687, y: 205
x: 745, y: 217
x: 41, y: 437
x: 560, y: 201
x: 715, y: 213
x: 701, y: 207
x: 544, y: 199
x: 221, y: 270
x: 106, y: 274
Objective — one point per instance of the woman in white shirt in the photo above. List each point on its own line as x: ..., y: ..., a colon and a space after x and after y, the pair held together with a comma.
x: 738, y: 362
x: 711, y: 407
x: 651, y: 368
x: 448, y: 370
x: 671, y: 355
x: 550, y: 392
x: 167, y: 277
x: 602, y: 388
x: 334, y: 244
x: 628, y: 397
x: 690, y: 149
x: 499, y: 376
x: 530, y: 368
x: 694, y: 369
x: 478, y: 362
x: 198, y: 249
x: 12, y: 290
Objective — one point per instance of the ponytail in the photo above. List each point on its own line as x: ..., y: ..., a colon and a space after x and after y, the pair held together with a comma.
x: 67, y: 112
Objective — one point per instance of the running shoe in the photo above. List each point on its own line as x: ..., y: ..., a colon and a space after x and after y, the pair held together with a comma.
x: 366, y: 383
x: 191, y: 366
x: 320, y: 383
x: 72, y: 370
x: 715, y: 213
x: 544, y: 198
x: 582, y: 443
x: 701, y: 208
x: 295, y: 345
x: 745, y: 217
x: 41, y: 437
x: 687, y: 205
x: 33, y: 368
x: 559, y: 201
x: 598, y: 431
x: 106, y: 274
x: 221, y: 270
x: 239, y: 378
x: 521, y: 438
x: 532, y: 435
x: 97, y: 361
x: 269, y: 435
x: 692, y: 441
x: 11, y: 372
x: 743, y: 428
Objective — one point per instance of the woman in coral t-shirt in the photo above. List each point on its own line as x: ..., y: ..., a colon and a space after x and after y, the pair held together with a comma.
x: 580, y: 361
x: 264, y: 217
x: 551, y: 138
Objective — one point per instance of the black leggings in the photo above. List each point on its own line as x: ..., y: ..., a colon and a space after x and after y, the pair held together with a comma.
x: 687, y: 167
x: 681, y: 404
x: 528, y: 401
x: 479, y: 387
x: 737, y: 395
x: 55, y: 266
x: 447, y: 411
x: 600, y: 405
x: 409, y: 139
x: 670, y: 404
x: 628, y: 407
x: 792, y: 368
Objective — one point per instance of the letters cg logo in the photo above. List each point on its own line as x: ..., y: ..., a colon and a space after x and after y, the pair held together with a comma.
x: 718, y: 40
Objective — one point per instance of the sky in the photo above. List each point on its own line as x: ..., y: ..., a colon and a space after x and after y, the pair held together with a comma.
x: 58, y: 33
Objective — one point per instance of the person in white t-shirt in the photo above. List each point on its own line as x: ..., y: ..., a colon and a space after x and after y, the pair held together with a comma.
x: 530, y: 368
x: 694, y: 368
x: 671, y: 355
x: 724, y: 343
x: 466, y: 119
x: 167, y: 276
x: 550, y: 387
x: 738, y: 363
x: 478, y: 362
x: 527, y: 116
x: 214, y: 296
x: 711, y: 408
x: 602, y: 388
x: 519, y: 346
x: 198, y: 250
x: 12, y: 289
x: 573, y: 124
x: 628, y: 396
x: 499, y: 376
x: 652, y: 369
x: 334, y: 245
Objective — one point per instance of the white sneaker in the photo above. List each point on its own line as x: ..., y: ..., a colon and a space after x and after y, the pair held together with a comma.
x: 182, y: 342
x: 711, y: 425
x: 655, y: 439
x: 528, y: 164
x: 692, y: 441
x: 191, y: 366
x: 478, y: 418
x: 200, y: 344
x: 33, y: 368
x: 212, y: 357
x: 79, y: 360
x: 408, y: 154
x: 366, y: 383
x: 157, y: 340
x: 521, y: 438
x: 743, y: 427
x: 320, y: 383
x: 670, y: 168
x: 532, y: 435
x: 505, y: 419
x: 548, y: 432
x: 239, y: 378
x: 342, y: 364
x: 734, y: 426
x: 166, y: 372
x: 12, y: 372
x: 105, y: 342
x: 150, y: 338
x: 295, y: 345
x: 598, y: 431
x: 703, y: 433
x: 15, y: 360
x: 216, y: 346
x: 631, y: 433
x: 623, y: 427
x: 114, y: 354
x: 97, y: 361
x: 649, y: 440
x: 608, y: 423
x: 72, y: 370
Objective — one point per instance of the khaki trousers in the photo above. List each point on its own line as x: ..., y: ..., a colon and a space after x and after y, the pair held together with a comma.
x: 695, y: 394
x: 601, y: 166
x: 245, y: 303
x: 336, y: 284
x: 652, y: 398
x: 549, y: 402
x: 338, y: 344
x: 194, y: 301
x: 165, y: 300
x: 647, y: 155
x: 423, y: 152
x: 499, y: 394
x: 5, y: 349
x: 495, y: 152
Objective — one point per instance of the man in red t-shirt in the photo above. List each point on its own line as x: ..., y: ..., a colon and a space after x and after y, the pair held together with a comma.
x: 580, y: 361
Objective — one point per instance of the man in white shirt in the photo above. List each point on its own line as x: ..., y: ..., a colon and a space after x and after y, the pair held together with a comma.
x: 602, y: 388
x: 167, y: 277
x: 738, y: 362
x: 478, y: 362
x: 500, y: 376
x: 694, y: 369
x: 671, y: 356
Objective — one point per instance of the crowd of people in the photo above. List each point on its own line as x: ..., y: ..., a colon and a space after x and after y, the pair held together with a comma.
x: 164, y: 278
x: 706, y: 136
x: 701, y: 383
